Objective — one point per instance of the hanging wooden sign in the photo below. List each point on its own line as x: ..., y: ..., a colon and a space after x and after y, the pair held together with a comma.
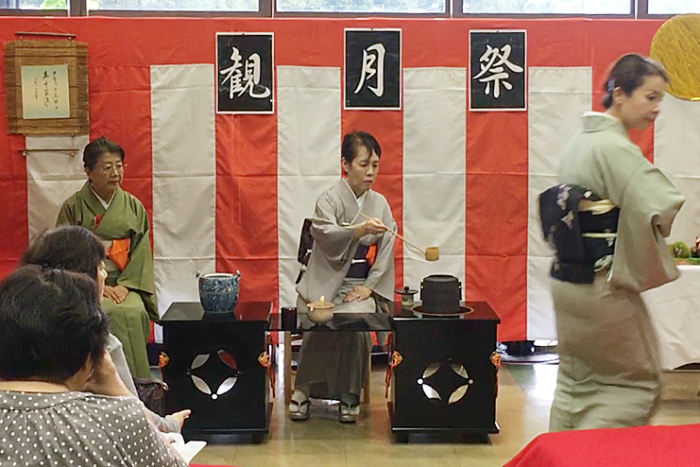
x: 47, y: 87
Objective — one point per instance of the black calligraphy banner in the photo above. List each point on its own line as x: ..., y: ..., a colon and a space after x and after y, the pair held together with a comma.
x: 244, y: 72
x: 498, y: 70
x: 373, y: 69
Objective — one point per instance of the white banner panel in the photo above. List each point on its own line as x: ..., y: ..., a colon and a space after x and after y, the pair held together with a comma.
x: 434, y: 168
x: 184, y: 179
x: 309, y: 137
x: 677, y: 152
x: 52, y: 177
x: 558, y: 99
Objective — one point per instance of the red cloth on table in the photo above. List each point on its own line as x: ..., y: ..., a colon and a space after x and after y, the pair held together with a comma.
x: 644, y: 446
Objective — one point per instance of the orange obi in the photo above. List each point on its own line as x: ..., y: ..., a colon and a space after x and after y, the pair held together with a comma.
x: 119, y: 252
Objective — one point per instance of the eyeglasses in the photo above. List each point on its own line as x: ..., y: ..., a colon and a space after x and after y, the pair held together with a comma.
x: 107, y: 169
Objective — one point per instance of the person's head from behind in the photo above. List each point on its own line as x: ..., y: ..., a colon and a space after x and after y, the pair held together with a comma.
x: 634, y: 90
x: 69, y: 247
x: 360, y: 159
x: 103, y: 160
x: 51, y: 327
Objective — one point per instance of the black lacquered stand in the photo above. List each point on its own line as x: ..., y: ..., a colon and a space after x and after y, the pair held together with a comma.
x: 215, y: 366
x: 444, y: 368
x: 445, y: 379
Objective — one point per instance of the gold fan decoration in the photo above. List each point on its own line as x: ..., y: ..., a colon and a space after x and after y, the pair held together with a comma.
x: 676, y: 45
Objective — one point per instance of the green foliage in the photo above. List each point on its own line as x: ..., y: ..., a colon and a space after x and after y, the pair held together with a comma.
x: 175, y: 5
x: 548, y: 6
x: 679, y: 250
x: 673, y: 6
x: 54, y: 5
x: 388, y: 6
x: 507, y: 6
x: 428, y: 6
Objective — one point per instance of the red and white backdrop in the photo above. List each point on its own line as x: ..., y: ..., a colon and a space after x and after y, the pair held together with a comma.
x: 229, y: 192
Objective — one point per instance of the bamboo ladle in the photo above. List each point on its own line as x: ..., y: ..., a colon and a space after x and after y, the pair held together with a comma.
x: 432, y: 253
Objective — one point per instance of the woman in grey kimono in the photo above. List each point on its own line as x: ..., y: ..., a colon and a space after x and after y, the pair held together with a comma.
x: 352, y: 264
x: 609, y: 374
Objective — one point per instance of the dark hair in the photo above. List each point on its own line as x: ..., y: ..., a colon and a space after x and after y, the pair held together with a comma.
x: 628, y: 73
x: 102, y: 145
x: 50, y: 323
x: 353, y: 141
x: 69, y: 247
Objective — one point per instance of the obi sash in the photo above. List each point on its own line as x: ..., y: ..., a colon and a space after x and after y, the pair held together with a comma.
x: 581, y: 228
x: 362, y: 261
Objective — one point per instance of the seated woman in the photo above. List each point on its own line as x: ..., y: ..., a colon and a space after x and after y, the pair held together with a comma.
x: 121, y: 221
x: 53, y: 337
x: 74, y: 248
x: 352, y: 264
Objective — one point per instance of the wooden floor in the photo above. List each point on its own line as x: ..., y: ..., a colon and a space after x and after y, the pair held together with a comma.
x: 524, y: 400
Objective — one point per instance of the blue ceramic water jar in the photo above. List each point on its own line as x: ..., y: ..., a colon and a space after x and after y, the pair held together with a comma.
x: 218, y: 292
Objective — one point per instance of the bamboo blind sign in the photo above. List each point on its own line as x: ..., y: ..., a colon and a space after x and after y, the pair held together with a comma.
x: 47, y: 87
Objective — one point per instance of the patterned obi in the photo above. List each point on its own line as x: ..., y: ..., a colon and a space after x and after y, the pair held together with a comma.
x: 581, y: 228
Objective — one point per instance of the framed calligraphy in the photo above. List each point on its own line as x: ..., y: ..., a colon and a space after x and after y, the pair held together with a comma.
x: 372, y: 69
x: 498, y: 70
x: 47, y: 87
x: 244, y: 73
x: 45, y: 91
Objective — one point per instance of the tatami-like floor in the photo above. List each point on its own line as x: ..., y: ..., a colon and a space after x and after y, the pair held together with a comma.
x: 523, y: 408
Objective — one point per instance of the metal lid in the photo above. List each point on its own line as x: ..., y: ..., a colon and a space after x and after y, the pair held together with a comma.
x: 406, y: 291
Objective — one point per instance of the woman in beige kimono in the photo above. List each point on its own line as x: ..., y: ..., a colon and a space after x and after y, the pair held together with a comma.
x: 609, y: 373
x: 121, y: 221
x: 352, y: 264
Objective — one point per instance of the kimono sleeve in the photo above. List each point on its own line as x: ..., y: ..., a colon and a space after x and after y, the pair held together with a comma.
x: 648, y: 205
x: 66, y: 216
x: 381, y: 275
x: 334, y: 241
x: 138, y: 274
x: 615, y: 163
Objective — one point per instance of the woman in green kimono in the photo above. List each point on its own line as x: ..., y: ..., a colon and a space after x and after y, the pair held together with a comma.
x: 121, y: 221
x: 609, y: 373
x: 352, y: 264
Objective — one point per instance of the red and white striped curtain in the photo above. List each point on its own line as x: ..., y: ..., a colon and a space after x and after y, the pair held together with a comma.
x: 229, y: 192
